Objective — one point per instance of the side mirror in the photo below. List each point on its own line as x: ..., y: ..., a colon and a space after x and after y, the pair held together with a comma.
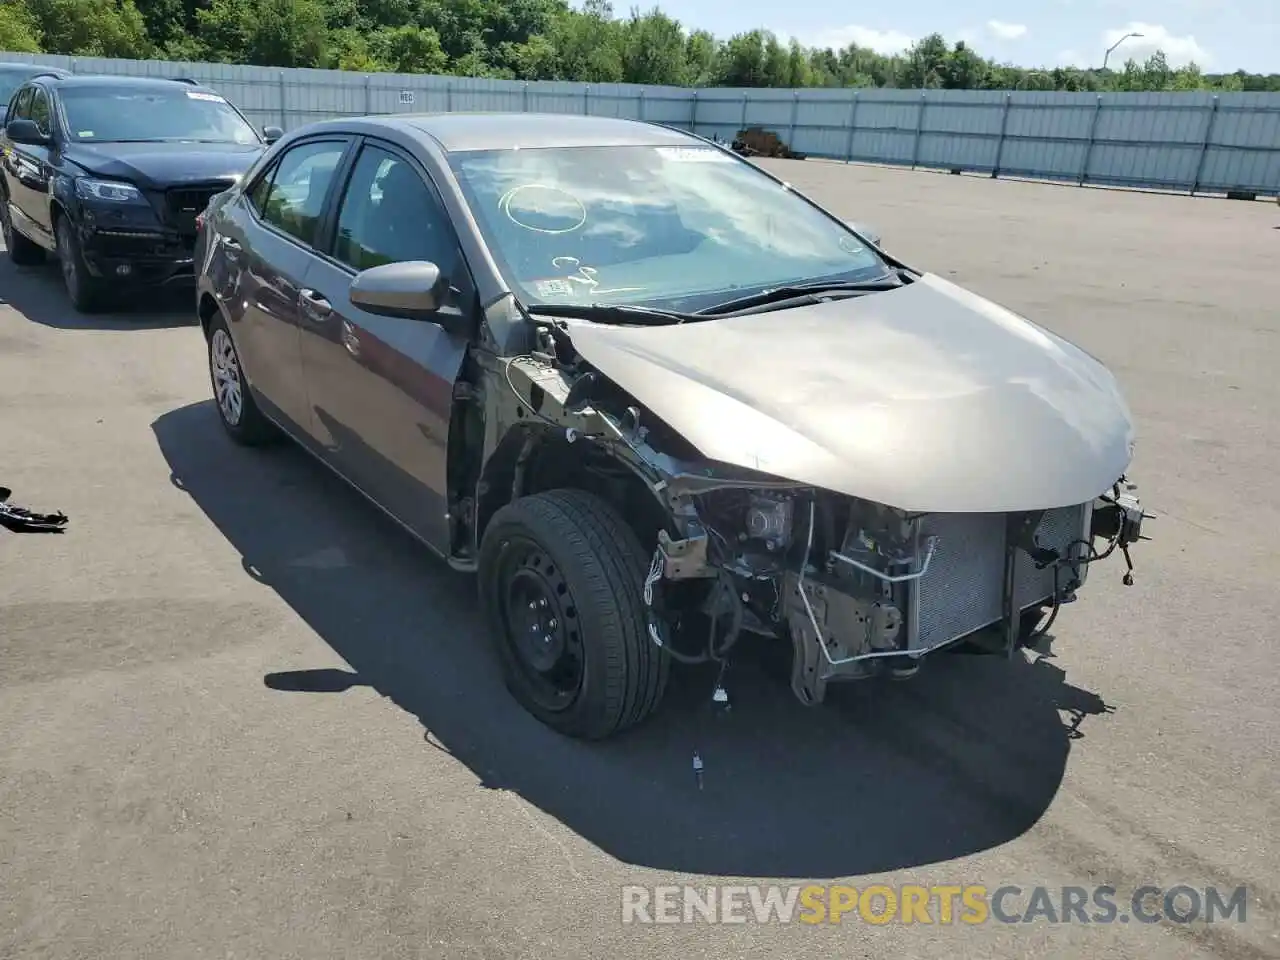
x: 272, y: 134
x: 413, y: 290
x: 864, y: 231
x: 26, y: 131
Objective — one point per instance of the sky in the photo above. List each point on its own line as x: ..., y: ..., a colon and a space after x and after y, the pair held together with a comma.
x: 1219, y: 35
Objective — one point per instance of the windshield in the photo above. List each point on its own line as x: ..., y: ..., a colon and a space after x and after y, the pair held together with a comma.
x: 105, y: 114
x: 669, y: 227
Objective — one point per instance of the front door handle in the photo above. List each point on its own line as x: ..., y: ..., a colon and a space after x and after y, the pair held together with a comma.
x: 314, y: 306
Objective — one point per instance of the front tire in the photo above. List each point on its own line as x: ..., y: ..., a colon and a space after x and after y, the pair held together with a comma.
x: 237, y: 410
x: 561, y: 577
x: 87, y: 292
x: 22, y: 252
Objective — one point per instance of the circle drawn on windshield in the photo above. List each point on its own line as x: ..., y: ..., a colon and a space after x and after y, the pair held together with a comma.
x: 851, y: 245
x: 543, y: 209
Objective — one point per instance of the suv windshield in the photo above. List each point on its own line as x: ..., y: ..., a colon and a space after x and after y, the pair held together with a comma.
x: 105, y: 114
x: 676, y: 227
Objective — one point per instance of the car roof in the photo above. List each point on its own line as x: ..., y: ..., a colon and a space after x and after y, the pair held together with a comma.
x: 115, y: 81
x: 463, y: 132
x: 33, y: 69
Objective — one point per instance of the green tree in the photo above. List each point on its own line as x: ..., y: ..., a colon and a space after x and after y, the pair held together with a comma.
x: 540, y: 40
x: 18, y: 30
x: 270, y: 33
x: 653, y: 50
x: 91, y: 28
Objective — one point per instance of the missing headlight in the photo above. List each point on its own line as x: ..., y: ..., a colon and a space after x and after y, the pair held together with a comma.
x: 769, y: 519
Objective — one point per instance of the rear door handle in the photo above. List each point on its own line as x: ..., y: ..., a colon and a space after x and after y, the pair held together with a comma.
x: 231, y: 248
x: 314, y: 305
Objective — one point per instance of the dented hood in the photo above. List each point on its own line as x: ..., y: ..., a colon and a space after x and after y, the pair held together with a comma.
x: 928, y: 398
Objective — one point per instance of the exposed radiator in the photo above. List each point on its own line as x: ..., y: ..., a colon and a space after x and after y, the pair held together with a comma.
x: 963, y: 590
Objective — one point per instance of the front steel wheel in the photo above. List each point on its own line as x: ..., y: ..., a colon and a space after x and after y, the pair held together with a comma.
x: 541, y: 627
x: 561, y: 577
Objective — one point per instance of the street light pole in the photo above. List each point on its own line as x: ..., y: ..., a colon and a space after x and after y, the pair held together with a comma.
x: 1106, y: 56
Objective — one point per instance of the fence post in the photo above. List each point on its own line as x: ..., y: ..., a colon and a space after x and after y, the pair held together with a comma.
x: 1204, y: 146
x: 368, y: 94
x: 693, y: 114
x: 1004, y: 126
x: 586, y: 99
x: 1088, y: 150
x: 795, y: 114
x: 915, y: 145
x: 448, y: 96
x: 743, y: 125
x: 283, y: 111
x: 853, y: 118
x: 642, y: 110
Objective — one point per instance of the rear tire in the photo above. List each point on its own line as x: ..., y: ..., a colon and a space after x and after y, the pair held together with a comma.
x: 22, y: 252
x: 561, y: 577
x: 87, y: 292
x: 237, y: 410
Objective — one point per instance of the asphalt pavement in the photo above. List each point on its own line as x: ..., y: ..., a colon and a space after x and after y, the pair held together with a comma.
x: 244, y: 716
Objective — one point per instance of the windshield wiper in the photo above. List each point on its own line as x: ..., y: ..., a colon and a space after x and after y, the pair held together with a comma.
x: 801, y: 292
x: 612, y: 313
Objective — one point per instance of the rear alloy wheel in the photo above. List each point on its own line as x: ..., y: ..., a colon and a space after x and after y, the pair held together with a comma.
x: 86, y: 291
x: 22, y: 251
x: 560, y: 580
x: 239, y: 414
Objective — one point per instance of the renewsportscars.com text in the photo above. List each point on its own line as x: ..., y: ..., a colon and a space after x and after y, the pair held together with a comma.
x: 940, y: 905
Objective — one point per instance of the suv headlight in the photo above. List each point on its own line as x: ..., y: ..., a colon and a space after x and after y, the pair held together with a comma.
x: 111, y: 191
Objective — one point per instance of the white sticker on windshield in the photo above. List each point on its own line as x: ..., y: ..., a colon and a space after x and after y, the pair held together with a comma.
x: 201, y: 95
x: 694, y: 155
x: 85, y: 134
x: 553, y: 288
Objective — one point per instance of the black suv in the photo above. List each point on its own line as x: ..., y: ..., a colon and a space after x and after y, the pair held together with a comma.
x: 109, y: 173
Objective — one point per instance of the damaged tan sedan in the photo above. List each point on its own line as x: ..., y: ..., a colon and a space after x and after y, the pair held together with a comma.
x: 657, y: 400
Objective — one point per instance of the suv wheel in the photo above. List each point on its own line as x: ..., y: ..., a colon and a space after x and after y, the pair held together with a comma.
x: 86, y: 291
x: 239, y: 414
x: 22, y: 251
x: 561, y: 577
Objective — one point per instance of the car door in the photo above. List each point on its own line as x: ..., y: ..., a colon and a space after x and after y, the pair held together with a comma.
x: 40, y: 213
x: 381, y: 388
x: 23, y: 166
x: 268, y: 244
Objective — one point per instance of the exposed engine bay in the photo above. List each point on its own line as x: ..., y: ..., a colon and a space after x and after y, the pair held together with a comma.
x: 858, y: 588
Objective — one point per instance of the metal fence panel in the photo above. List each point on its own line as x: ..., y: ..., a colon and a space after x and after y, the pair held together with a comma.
x: 1192, y: 141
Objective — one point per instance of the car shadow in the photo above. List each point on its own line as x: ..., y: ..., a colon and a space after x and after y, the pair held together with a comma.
x: 965, y: 757
x: 38, y: 294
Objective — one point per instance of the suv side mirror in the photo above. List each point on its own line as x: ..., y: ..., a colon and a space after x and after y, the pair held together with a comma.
x: 26, y: 131
x: 272, y: 134
x: 865, y: 231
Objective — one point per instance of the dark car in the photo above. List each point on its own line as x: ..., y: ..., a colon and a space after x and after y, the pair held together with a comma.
x: 109, y: 173
x: 657, y: 400
x: 14, y: 75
